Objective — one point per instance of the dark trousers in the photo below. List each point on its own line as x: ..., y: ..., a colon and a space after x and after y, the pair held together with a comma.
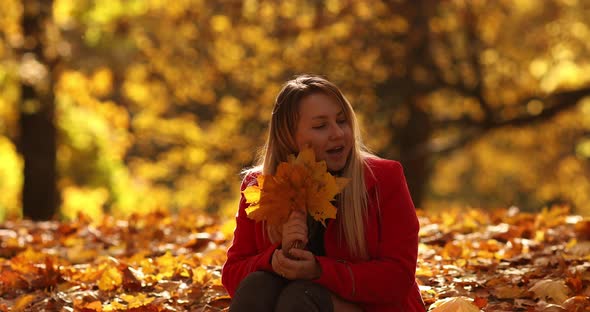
x: 265, y: 291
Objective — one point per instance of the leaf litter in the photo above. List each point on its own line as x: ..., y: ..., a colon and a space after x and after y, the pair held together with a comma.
x: 469, y: 260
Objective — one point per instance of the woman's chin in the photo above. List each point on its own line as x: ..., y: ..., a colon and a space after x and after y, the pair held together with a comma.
x: 335, y: 167
x: 336, y: 162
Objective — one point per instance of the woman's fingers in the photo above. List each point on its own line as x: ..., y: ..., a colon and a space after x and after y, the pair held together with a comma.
x: 276, y: 266
x: 295, y: 229
x: 296, y: 221
x: 302, y: 228
x: 296, y: 235
x: 296, y: 226
x: 286, y: 263
x: 309, y: 267
x: 282, y: 260
x: 302, y: 254
x: 293, y: 235
x: 298, y: 213
x: 297, y: 217
x: 304, y: 268
x: 281, y: 265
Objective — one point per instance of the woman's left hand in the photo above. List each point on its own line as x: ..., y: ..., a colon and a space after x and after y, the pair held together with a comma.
x: 305, y: 267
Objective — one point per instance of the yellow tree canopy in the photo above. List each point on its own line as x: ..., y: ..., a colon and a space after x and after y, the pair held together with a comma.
x: 160, y: 104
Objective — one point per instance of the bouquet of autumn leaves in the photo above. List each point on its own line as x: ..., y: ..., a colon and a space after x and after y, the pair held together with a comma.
x: 299, y: 184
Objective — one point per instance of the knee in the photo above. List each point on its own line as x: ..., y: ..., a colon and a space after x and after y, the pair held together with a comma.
x: 304, y: 296
x: 257, y: 292
x: 257, y: 279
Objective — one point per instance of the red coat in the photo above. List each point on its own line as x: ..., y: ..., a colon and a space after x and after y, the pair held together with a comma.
x: 386, y: 282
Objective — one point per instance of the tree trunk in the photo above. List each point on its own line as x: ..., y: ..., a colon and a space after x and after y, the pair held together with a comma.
x: 417, y: 163
x: 411, y: 137
x: 37, y: 142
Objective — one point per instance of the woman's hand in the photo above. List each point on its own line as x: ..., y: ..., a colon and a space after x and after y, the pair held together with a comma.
x: 305, y: 267
x: 294, y: 230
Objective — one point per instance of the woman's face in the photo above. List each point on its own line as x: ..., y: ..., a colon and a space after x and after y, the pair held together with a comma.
x: 323, y: 125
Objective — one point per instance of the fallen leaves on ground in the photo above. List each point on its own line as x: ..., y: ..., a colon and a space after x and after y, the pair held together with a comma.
x: 454, y: 304
x: 471, y: 260
x: 505, y: 260
x: 156, y: 262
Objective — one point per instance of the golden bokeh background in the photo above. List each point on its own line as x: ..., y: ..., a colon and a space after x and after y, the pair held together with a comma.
x: 161, y: 104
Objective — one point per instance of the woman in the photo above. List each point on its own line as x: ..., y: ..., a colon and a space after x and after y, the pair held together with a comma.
x: 365, y: 259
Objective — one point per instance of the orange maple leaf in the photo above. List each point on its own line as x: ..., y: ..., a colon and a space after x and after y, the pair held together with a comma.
x: 299, y: 183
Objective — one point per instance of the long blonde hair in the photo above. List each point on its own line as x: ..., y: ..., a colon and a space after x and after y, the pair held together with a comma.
x: 280, y: 143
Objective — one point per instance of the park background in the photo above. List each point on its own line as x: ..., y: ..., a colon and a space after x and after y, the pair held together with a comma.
x: 128, y: 123
x: 115, y: 107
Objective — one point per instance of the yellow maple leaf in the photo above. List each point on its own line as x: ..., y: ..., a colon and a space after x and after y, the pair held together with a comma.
x: 322, y: 191
x: 111, y: 279
x: 252, y: 193
x: 94, y: 306
x: 137, y: 301
x: 299, y: 183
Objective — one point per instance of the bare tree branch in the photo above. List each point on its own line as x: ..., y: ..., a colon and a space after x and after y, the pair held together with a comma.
x: 554, y: 104
x: 557, y: 103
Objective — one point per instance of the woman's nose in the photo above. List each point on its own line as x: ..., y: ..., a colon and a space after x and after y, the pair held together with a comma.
x: 336, y: 131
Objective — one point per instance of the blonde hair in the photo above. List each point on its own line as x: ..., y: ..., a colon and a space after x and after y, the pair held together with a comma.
x: 352, y: 210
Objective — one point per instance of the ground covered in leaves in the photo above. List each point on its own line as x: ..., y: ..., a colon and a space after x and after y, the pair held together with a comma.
x: 504, y: 260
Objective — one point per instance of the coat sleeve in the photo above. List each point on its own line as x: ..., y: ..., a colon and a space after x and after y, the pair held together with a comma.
x: 389, y: 276
x: 244, y: 256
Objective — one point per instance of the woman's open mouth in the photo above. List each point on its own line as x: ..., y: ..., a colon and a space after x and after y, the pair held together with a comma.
x: 335, y: 152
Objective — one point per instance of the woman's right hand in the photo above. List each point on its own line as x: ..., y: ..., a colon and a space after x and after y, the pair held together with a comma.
x: 295, y: 230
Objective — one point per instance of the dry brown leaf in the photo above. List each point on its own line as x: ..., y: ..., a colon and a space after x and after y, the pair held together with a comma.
x: 80, y: 253
x: 480, y: 302
x: 580, y: 249
x: 554, y: 290
x: 577, y: 304
x: 582, y: 229
x: 552, y: 308
x: 23, y: 302
x: 507, y: 291
x: 454, y: 304
x: 94, y: 306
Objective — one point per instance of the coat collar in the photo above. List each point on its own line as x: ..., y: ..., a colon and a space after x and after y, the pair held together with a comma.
x: 371, y: 164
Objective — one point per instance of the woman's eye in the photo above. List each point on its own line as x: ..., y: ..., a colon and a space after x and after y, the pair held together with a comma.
x: 319, y: 126
x: 341, y: 121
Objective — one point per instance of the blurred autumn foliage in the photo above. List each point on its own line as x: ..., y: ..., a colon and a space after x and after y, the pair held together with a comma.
x: 158, y: 104
x: 505, y: 260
